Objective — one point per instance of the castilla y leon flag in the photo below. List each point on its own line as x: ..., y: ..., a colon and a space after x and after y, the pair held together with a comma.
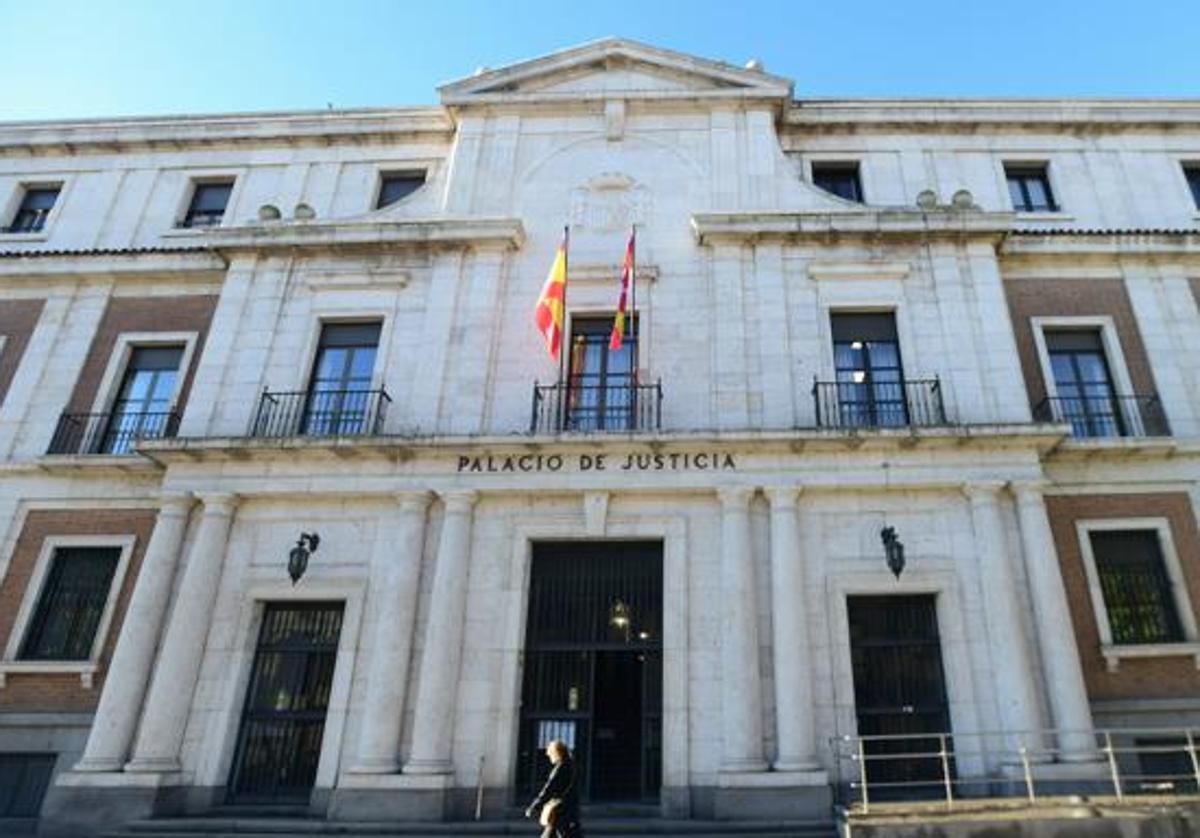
x: 618, y: 330
x: 551, y: 305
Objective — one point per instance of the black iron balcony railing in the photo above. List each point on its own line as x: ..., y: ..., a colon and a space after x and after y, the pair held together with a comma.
x: 586, y: 408
x: 109, y: 433
x: 879, y: 404
x: 1105, y: 416
x: 321, y: 413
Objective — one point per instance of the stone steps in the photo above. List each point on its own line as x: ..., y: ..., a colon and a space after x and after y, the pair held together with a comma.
x: 251, y: 827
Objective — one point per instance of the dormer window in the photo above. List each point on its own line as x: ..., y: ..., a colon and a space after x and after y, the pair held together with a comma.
x: 839, y: 178
x: 396, y: 185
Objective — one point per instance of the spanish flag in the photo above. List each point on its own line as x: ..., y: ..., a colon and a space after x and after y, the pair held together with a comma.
x: 551, y: 305
x: 618, y: 330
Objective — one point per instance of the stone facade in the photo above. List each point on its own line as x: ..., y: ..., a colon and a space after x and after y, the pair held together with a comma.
x: 768, y: 512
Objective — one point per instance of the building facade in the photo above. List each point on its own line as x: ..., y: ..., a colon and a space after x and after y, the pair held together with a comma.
x: 295, y: 509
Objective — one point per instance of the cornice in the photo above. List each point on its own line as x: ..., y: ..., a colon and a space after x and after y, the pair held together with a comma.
x: 174, y: 133
x: 1074, y: 243
x: 716, y: 227
x: 494, y: 232
x: 939, y: 115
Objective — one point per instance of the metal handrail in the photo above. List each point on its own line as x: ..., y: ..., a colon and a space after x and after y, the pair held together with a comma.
x: 320, y: 413
x: 1105, y: 416
x: 573, y: 407
x: 970, y: 769
x: 879, y: 404
x: 114, y: 432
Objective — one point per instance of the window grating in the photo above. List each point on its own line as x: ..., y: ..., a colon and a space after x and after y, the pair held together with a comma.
x: 71, y: 604
x: 1137, y: 592
x: 24, y: 779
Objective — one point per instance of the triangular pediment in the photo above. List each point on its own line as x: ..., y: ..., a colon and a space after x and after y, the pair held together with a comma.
x: 614, y: 67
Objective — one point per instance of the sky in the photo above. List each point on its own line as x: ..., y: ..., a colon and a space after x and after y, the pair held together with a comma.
x: 96, y: 58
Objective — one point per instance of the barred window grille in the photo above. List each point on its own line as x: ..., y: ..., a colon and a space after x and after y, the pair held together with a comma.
x: 71, y: 604
x: 24, y: 779
x: 1138, y: 596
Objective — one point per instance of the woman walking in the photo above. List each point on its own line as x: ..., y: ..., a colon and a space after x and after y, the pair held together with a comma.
x: 559, y: 798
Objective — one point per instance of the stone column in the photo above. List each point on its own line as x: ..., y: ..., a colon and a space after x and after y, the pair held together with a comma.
x: 1015, y: 695
x: 433, y: 721
x: 174, y: 681
x: 395, y: 574
x: 741, y: 680
x: 1072, y: 715
x: 129, y: 671
x: 789, y: 618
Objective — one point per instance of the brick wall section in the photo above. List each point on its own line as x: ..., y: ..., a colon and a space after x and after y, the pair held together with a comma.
x: 64, y: 693
x: 1075, y: 298
x: 141, y: 314
x: 1173, y: 677
x: 17, y: 319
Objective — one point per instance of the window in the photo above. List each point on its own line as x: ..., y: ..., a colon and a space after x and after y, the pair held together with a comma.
x: 143, y: 407
x: 396, y: 185
x: 70, y: 605
x: 1029, y: 188
x: 870, y: 376
x: 340, y: 399
x: 1086, y: 396
x: 207, y: 208
x: 839, y: 178
x: 24, y: 779
x: 600, y: 392
x: 1138, y: 596
x: 1192, y: 173
x: 34, y: 209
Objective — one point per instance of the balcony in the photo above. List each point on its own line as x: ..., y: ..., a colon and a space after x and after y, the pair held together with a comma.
x: 109, y: 433
x: 612, y: 408
x: 1092, y: 417
x: 323, y: 413
x: 879, y: 404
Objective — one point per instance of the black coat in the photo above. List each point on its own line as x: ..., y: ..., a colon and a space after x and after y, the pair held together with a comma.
x: 561, y: 784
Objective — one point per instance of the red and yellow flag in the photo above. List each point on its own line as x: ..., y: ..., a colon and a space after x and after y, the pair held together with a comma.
x: 617, y: 338
x: 551, y: 305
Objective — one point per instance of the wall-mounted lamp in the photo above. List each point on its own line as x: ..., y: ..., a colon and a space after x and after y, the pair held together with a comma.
x: 893, y: 550
x: 306, y: 545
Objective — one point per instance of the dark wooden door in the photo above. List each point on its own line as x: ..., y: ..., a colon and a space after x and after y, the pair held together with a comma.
x: 283, y: 722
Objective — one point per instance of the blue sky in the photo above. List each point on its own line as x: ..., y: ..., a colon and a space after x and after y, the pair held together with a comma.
x: 77, y: 58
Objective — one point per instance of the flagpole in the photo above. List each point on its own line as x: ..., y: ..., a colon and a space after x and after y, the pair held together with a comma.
x: 636, y: 326
x: 564, y: 338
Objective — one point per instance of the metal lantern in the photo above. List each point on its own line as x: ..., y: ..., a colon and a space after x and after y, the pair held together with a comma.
x: 893, y: 550
x: 306, y: 545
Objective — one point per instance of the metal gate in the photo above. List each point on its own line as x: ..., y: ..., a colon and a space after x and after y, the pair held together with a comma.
x: 593, y: 667
x: 283, y: 722
x: 899, y: 690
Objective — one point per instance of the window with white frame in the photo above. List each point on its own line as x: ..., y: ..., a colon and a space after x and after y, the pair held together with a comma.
x: 1136, y: 587
x: 394, y: 186
x: 207, y: 206
x: 34, y: 208
x: 73, y: 599
x: 1029, y: 187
